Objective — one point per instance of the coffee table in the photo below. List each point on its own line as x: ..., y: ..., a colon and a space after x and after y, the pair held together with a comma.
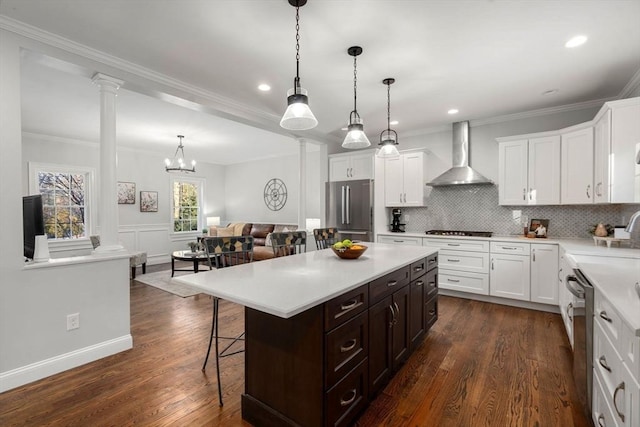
x: 195, y: 257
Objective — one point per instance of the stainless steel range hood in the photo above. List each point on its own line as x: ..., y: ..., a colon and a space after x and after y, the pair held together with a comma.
x: 461, y: 173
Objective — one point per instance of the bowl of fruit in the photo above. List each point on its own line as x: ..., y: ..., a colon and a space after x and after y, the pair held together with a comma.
x: 346, y: 249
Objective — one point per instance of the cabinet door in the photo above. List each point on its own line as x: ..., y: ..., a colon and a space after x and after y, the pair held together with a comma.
x: 625, y: 147
x: 413, y: 179
x: 416, y: 314
x: 339, y: 168
x: 393, y: 182
x: 544, y: 278
x: 400, y: 332
x: 602, y: 143
x: 577, y: 167
x: 512, y: 174
x: 380, y: 324
x: 544, y: 171
x: 509, y: 276
x: 361, y: 166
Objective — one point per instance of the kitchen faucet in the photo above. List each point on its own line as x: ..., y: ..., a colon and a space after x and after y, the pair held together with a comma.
x: 632, y: 222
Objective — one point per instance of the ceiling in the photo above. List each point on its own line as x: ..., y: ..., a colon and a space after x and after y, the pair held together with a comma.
x: 486, y: 58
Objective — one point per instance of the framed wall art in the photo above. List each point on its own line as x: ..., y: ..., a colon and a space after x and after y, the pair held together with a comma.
x: 540, y: 227
x: 126, y: 193
x: 148, y: 201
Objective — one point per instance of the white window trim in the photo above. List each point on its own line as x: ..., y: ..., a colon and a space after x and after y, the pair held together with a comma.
x: 90, y: 195
x: 187, y: 235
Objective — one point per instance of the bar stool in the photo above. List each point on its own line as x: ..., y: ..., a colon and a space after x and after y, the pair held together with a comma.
x: 325, y: 237
x: 289, y: 243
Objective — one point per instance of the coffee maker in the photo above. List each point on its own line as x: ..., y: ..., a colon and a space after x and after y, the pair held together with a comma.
x: 396, y: 225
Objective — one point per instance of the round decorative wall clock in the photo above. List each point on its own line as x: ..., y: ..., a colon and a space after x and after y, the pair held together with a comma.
x: 275, y: 194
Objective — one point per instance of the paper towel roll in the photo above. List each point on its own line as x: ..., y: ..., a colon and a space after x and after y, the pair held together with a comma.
x: 41, y: 251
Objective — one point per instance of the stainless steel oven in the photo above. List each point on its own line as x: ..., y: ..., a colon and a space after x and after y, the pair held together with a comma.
x: 580, y: 287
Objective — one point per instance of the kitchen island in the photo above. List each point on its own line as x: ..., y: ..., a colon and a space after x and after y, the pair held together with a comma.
x: 323, y: 334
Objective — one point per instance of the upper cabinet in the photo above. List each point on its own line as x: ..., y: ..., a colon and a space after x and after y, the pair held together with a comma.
x: 617, y: 152
x: 577, y: 167
x: 404, y: 180
x: 349, y: 167
x: 529, y: 171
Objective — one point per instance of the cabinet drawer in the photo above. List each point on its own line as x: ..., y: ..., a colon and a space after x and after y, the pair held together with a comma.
x: 630, y: 351
x: 418, y: 269
x: 431, y: 283
x: 386, y: 285
x: 474, y: 262
x: 413, y: 241
x: 458, y: 244
x: 606, y: 362
x: 346, y: 346
x: 510, y: 248
x: 475, y: 283
x: 601, y: 411
x: 606, y: 316
x: 345, y: 401
x: 432, y: 261
x: 431, y: 312
x: 346, y: 306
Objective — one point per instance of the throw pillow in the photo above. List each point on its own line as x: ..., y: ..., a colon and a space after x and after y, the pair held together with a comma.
x: 213, y: 231
x: 225, y: 232
x: 237, y: 228
x: 267, y: 240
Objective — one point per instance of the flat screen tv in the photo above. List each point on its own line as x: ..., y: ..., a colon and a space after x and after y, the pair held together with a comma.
x: 32, y: 222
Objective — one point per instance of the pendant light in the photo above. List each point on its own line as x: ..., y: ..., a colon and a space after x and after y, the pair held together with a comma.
x: 356, y: 137
x: 388, y: 137
x: 298, y: 115
x: 177, y: 164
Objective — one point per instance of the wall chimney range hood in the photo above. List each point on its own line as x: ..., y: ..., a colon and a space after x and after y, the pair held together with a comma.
x: 461, y: 173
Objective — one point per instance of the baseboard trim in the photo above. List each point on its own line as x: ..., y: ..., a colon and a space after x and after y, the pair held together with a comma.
x: 503, y: 301
x: 36, y: 371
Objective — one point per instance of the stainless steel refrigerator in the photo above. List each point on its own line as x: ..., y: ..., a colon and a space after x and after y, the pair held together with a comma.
x: 350, y: 208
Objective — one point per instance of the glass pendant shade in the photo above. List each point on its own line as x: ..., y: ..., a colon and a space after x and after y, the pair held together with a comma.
x: 298, y: 115
x: 356, y: 138
x: 388, y: 142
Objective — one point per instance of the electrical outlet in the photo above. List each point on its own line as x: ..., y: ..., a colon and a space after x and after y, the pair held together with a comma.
x: 73, y: 321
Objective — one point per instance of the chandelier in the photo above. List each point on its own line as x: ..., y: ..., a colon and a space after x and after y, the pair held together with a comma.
x: 388, y: 137
x: 177, y: 164
x: 355, y: 137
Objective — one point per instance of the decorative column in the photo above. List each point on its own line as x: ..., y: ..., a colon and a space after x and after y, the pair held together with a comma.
x: 108, y: 200
x: 302, y: 199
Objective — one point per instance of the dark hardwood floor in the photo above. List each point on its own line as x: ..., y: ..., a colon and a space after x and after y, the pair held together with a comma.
x: 480, y: 365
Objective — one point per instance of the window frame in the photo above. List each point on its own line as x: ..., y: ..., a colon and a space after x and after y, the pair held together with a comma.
x: 90, y: 194
x: 199, y: 183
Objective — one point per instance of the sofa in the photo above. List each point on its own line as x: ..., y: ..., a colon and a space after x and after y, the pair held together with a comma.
x: 260, y: 232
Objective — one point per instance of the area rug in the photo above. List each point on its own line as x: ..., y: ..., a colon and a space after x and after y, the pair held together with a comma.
x: 162, y: 280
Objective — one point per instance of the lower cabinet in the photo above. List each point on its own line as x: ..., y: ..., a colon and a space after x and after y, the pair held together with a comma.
x: 509, y: 276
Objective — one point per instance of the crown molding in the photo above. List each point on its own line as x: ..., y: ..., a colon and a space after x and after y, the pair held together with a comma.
x: 52, y: 139
x: 630, y: 87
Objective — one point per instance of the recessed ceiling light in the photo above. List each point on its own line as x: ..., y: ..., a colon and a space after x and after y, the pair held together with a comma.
x: 393, y: 122
x: 453, y: 111
x: 576, y: 41
x: 264, y: 87
x: 550, y: 92
x: 344, y: 128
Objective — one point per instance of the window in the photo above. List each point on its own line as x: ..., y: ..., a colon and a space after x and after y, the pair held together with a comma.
x: 66, y: 195
x: 186, y: 204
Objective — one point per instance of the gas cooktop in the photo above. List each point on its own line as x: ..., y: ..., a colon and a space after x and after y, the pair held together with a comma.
x: 460, y: 233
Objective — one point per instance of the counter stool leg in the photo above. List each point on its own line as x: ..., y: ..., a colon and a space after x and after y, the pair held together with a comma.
x: 214, y: 328
x: 173, y: 265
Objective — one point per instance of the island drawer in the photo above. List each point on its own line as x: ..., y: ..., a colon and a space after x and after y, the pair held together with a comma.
x: 418, y: 269
x: 431, y: 284
x: 431, y: 312
x: 386, y: 285
x: 346, y: 306
x: 348, y: 398
x: 432, y: 261
x: 345, y: 347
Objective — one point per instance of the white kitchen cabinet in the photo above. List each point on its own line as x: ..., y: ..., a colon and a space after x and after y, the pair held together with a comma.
x: 404, y: 180
x: 509, y: 276
x: 349, y: 167
x: 544, y: 268
x: 576, y: 183
x: 400, y: 240
x: 463, y: 264
x: 566, y: 300
x: 529, y: 171
x: 617, y: 145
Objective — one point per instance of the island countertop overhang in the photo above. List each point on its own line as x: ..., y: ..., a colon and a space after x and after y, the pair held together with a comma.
x: 290, y: 285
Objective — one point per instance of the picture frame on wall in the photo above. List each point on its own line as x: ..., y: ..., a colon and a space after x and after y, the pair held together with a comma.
x: 126, y: 193
x: 540, y: 227
x: 148, y: 201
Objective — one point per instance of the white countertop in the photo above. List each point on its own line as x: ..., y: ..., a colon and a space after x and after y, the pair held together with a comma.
x: 615, y: 278
x: 289, y: 285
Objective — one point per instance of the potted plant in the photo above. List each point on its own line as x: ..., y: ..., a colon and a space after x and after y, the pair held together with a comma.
x: 205, y: 231
x: 193, y: 246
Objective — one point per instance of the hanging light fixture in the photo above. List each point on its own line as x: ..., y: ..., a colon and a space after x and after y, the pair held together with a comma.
x: 177, y: 164
x: 356, y: 137
x: 298, y: 115
x: 388, y: 137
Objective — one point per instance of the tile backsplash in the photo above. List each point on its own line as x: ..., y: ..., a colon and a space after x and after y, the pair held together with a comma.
x: 475, y: 207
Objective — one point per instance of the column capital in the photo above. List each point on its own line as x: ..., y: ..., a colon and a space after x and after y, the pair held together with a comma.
x: 106, y: 81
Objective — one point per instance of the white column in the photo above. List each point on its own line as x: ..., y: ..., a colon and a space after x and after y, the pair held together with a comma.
x: 108, y: 200
x: 302, y: 199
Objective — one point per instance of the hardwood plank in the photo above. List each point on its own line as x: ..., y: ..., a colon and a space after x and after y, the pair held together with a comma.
x: 480, y: 364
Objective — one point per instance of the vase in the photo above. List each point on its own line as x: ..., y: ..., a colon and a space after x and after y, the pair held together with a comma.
x: 601, y: 231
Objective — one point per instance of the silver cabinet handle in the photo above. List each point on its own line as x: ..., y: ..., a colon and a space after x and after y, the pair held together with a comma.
x: 603, y: 362
x: 603, y: 315
x: 453, y: 244
x: 530, y: 193
x: 453, y: 260
x: 348, y: 401
x: 569, y: 309
x: 348, y: 346
x: 453, y: 280
x: 492, y: 267
x: 588, y: 189
x: 524, y: 194
x: 509, y: 248
x: 400, y: 197
x: 348, y: 205
x: 419, y: 283
x: 393, y: 317
x: 398, y: 241
x: 416, y: 269
x: 560, y: 274
x: 432, y: 284
x: 392, y: 283
x: 601, y: 422
x: 534, y: 255
x: 405, y: 197
x: 349, y: 305
x: 397, y: 312
x: 344, y: 201
x: 615, y: 404
x: 599, y: 189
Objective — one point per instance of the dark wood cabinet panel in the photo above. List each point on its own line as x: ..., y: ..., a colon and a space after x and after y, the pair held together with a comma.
x: 431, y: 284
x: 388, y: 284
x: 348, y: 398
x: 344, y: 307
x: 346, y: 346
x: 417, y: 310
x: 380, y: 326
x: 418, y: 269
x: 431, y: 314
x: 400, y: 331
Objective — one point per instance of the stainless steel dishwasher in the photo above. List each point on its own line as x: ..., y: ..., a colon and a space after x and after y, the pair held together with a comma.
x: 580, y: 287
